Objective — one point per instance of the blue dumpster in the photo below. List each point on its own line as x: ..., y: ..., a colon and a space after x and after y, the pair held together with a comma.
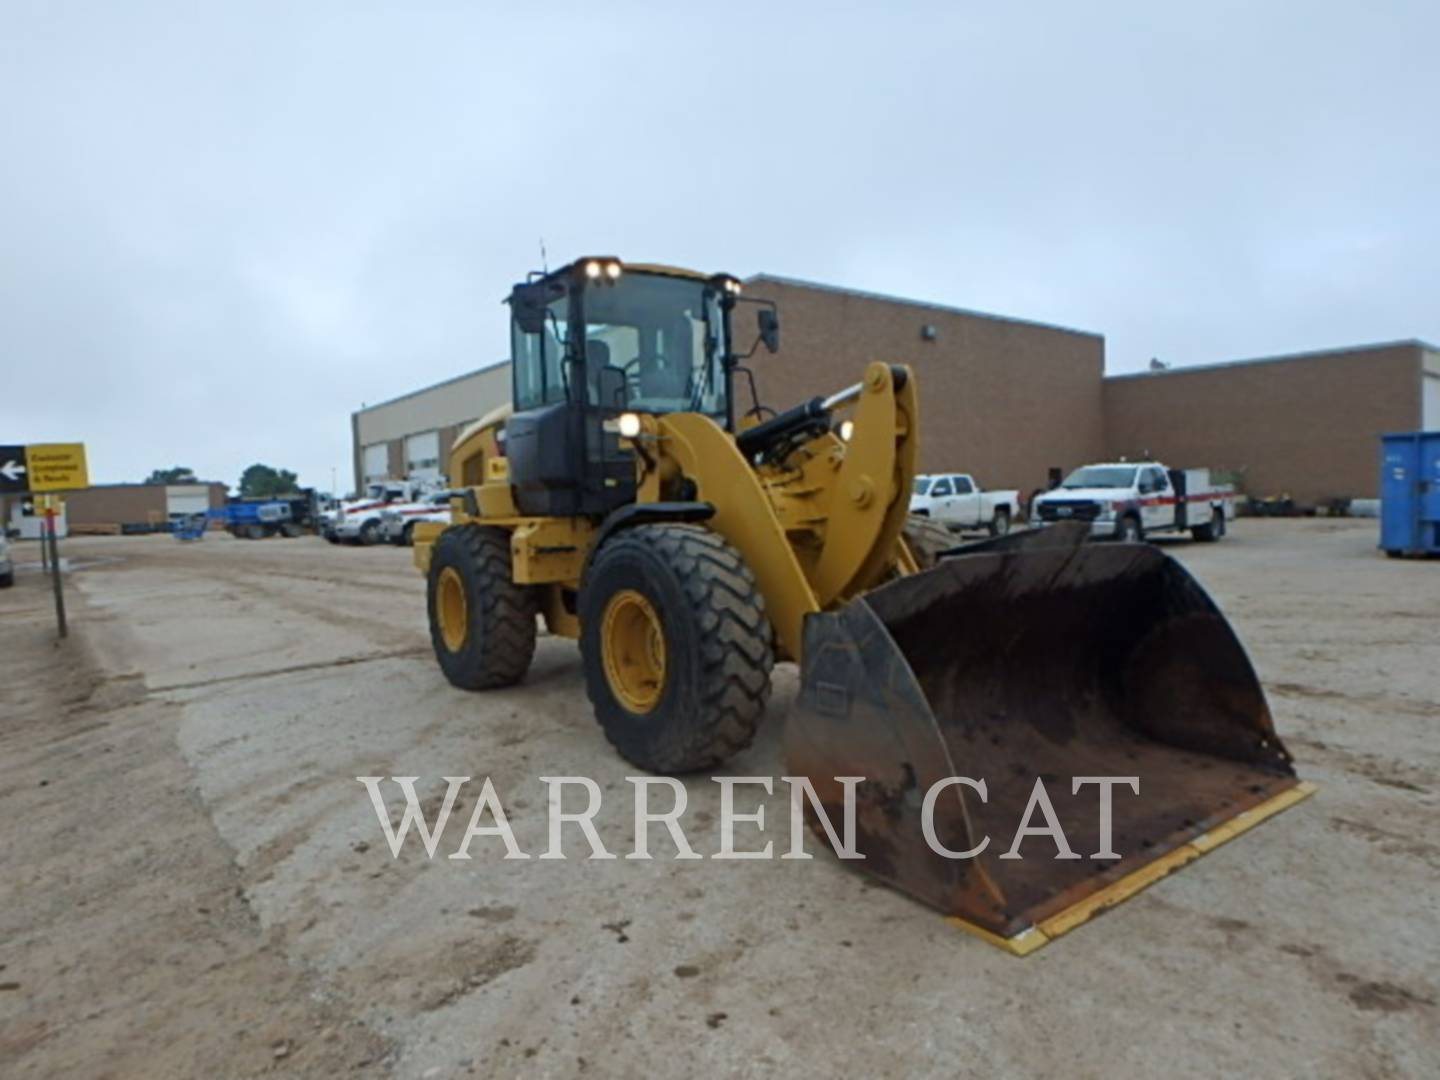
x: 1410, y: 493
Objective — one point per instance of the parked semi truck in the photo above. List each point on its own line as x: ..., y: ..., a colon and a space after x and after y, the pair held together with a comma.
x: 1130, y: 500
x: 958, y: 502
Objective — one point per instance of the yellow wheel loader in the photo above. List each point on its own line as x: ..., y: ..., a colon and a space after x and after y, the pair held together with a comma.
x: 625, y: 499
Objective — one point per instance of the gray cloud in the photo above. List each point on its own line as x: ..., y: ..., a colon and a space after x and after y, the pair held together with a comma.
x: 221, y: 231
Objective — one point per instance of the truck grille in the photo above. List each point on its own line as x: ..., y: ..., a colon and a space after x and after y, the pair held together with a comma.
x: 1069, y: 510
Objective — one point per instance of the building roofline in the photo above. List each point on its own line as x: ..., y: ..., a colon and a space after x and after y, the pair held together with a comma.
x: 131, y: 484
x: 1310, y: 354
x: 432, y: 386
x: 927, y: 305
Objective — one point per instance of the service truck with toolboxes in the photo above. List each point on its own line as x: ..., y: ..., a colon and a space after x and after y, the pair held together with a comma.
x: 1130, y: 500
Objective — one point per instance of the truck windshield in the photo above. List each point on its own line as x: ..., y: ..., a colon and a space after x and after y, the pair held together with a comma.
x: 922, y: 485
x: 662, y: 338
x: 1101, y: 476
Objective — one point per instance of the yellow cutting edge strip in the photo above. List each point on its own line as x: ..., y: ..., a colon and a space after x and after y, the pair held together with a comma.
x: 1082, y: 911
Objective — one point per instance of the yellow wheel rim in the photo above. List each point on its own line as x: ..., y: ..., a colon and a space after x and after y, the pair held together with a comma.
x: 452, y: 609
x: 632, y: 641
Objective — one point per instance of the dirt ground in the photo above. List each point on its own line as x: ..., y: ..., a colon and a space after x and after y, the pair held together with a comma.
x: 194, y: 882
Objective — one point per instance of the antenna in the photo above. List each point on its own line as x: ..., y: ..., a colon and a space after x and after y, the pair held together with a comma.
x: 544, y: 263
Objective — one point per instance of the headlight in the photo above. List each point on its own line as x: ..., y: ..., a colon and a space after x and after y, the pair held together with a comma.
x: 846, y: 429
x: 612, y: 270
x: 629, y: 425
x: 592, y: 269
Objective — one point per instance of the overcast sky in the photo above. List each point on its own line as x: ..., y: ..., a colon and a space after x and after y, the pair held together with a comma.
x: 225, y: 226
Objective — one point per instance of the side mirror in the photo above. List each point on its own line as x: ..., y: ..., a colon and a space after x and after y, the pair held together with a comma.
x: 769, y: 323
x: 528, y: 304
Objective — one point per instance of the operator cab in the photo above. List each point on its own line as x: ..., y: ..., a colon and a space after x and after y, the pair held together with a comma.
x: 596, y: 339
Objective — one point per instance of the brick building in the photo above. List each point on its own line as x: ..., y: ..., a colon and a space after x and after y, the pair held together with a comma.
x: 411, y: 435
x: 1008, y: 399
x: 1000, y: 397
x: 1305, y: 425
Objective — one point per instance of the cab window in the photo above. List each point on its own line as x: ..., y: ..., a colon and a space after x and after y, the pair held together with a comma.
x: 942, y: 487
x: 963, y: 485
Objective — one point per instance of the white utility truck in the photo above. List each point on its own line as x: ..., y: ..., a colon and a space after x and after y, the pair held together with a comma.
x: 1131, y: 500
x: 397, y: 522
x: 958, y: 502
x: 357, y: 521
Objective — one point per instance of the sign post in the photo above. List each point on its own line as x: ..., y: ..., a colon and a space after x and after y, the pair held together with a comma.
x: 56, y: 576
x: 37, y: 469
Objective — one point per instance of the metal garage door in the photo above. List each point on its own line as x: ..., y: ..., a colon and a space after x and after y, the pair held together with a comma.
x: 422, y: 456
x: 186, y: 499
x: 377, y: 462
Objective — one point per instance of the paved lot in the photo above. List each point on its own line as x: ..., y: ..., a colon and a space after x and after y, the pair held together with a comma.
x: 194, y: 882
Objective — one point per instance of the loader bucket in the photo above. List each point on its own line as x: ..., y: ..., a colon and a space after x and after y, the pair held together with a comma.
x: 1036, y: 657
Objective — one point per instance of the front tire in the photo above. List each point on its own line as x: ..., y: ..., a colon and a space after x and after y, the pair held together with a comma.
x: 482, y: 624
x: 370, y: 533
x: 676, y: 646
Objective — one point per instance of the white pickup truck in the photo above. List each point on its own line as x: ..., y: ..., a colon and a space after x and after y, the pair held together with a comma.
x: 958, y: 502
x: 1129, y: 500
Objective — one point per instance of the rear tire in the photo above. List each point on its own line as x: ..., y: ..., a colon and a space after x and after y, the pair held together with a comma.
x: 482, y: 624
x: 708, y: 651
x: 926, y: 539
x: 1212, y: 530
x: 254, y: 532
x: 290, y: 530
x: 370, y: 533
x: 1130, y: 531
x: 1000, y: 523
x: 407, y: 535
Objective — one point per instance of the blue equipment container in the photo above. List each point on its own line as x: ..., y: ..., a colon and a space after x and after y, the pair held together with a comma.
x: 1410, y: 493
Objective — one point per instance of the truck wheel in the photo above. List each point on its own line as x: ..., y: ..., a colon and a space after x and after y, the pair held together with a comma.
x: 1129, y: 530
x: 329, y: 534
x: 676, y: 647
x: 1212, y: 529
x: 254, y: 532
x: 1000, y: 524
x: 407, y: 535
x: 926, y: 539
x: 370, y: 533
x: 290, y: 530
x: 7, y: 579
x: 482, y: 624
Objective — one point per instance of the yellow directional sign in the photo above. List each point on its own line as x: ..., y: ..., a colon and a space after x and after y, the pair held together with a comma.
x: 56, y: 466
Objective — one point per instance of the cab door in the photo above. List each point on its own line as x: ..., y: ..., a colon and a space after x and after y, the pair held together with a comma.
x: 965, y: 503
x: 941, y: 493
x: 1157, y: 499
